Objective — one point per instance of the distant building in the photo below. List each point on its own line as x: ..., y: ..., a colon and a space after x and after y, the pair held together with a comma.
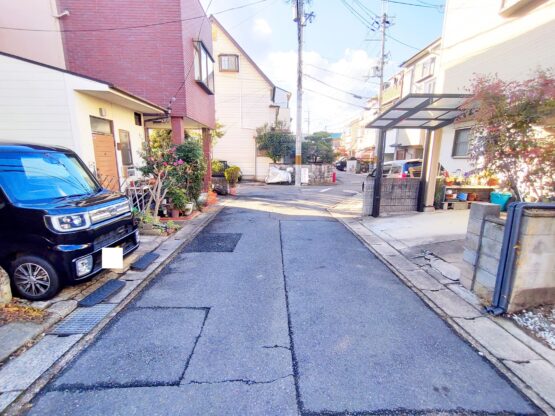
x: 246, y: 100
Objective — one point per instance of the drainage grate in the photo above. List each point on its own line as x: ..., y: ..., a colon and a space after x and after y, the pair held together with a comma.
x: 103, y: 292
x: 214, y: 243
x: 145, y: 261
x: 82, y: 320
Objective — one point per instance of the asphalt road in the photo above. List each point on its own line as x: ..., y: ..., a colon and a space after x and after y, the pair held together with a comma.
x: 277, y: 309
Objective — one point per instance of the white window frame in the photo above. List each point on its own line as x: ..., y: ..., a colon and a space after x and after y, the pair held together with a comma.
x: 204, y: 67
x: 232, y: 64
x: 455, y: 143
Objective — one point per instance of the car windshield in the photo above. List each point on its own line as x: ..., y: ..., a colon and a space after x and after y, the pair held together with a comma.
x: 44, y: 176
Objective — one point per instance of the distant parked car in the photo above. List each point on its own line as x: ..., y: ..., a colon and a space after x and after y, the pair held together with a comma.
x: 341, y: 164
x: 56, y: 219
x: 410, y: 168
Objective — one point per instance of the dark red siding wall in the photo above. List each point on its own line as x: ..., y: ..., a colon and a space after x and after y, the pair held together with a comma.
x: 197, y: 101
x: 150, y: 61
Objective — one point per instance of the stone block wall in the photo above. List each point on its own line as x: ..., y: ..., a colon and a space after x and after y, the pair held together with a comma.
x: 534, y: 267
x: 534, y: 275
x: 398, y: 195
x: 488, y: 258
x: 479, y: 212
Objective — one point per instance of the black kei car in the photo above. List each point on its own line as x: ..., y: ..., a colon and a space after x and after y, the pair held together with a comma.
x: 55, y: 219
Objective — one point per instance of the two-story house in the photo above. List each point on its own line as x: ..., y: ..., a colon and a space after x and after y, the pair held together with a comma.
x: 246, y: 100
x: 160, y: 50
x: 509, y: 38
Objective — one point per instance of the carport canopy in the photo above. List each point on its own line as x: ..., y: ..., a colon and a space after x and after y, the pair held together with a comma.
x: 415, y: 111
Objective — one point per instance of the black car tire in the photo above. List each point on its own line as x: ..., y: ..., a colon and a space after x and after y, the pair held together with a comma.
x: 40, y: 265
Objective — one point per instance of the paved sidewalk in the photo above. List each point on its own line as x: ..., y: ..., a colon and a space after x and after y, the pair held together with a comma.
x: 526, y: 361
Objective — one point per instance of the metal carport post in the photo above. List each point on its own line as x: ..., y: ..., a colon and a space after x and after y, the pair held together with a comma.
x: 415, y: 111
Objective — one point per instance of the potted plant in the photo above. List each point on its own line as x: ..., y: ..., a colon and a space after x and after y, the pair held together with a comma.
x: 179, y: 201
x: 189, y: 206
x: 232, y: 176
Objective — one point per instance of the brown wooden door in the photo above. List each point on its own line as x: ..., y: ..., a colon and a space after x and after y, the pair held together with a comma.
x: 106, y: 162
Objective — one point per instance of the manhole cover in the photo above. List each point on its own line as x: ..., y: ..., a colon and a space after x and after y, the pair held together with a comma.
x: 214, y: 243
x: 82, y: 320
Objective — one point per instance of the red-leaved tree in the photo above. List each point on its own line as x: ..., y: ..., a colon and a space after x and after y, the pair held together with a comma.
x: 513, y: 134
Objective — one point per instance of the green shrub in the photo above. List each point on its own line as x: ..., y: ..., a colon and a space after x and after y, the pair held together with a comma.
x: 178, y: 197
x: 217, y: 166
x: 232, y: 175
x: 193, y: 169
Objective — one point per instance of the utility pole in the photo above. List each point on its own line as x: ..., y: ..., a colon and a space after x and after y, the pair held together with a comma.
x: 299, y: 138
x: 377, y: 194
x: 383, y: 26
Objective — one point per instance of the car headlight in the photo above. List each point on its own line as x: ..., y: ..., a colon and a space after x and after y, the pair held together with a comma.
x: 69, y: 223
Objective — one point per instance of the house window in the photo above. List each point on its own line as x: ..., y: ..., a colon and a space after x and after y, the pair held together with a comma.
x: 427, y: 68
x: 461, y: 144
x: 229, y: 63
x: 101, y: 126
x: 125, y: 148
x: 204, y: 67
x: 138, y: 119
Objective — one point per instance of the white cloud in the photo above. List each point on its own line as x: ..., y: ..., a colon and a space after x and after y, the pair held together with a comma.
x: 262, y: 27
x: 347, y: 74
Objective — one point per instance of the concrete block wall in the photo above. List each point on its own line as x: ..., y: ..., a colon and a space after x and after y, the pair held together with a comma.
x: 398, y: 195
x: 476, y: 223
x: 488, y: 258
x: 534, y: 274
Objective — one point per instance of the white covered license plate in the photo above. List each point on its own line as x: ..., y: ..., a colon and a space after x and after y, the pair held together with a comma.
x: 112, y: 258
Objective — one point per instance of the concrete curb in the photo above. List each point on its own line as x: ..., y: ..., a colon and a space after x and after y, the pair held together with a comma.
x: 457, y: 311
x: 15, y: 403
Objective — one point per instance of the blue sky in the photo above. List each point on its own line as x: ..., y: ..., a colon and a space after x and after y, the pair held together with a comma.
x: 336, y: 40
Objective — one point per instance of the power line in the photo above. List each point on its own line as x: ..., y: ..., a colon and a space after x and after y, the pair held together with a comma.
x: 402, y: 43
x: 340, y: 74
x: 132, y: 27
x: 335, y: 99
x: 357, y: 96
x: 424, y: 5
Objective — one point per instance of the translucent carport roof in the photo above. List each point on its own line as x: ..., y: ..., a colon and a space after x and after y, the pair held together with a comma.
x: 421, y: 111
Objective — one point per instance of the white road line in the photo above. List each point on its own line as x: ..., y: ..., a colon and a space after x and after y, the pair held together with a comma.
x: 325, y: 190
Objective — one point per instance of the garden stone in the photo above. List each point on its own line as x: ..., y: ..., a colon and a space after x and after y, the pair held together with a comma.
x: 5, y: 289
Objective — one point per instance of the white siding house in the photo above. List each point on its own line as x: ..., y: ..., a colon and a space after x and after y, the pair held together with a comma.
x: 245, y: 100
x: 40, y: 104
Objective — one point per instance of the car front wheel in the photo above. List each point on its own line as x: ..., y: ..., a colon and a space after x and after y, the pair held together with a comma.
x: 34, y: 278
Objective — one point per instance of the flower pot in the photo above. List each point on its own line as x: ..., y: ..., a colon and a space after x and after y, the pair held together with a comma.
x: 233, y: 190
x: 175, y: 213
x: 188, y: 209
x: 449, y: 182
x: 493, y: 182
x: 472, y: 196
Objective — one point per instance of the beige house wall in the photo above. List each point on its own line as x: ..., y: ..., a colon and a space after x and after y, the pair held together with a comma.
x: 44, y: 106
x: 243, y: 103
x: 478, y: 39
x: 45, y: 43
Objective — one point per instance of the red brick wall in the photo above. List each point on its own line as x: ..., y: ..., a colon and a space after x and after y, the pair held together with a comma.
x: 152, y: 61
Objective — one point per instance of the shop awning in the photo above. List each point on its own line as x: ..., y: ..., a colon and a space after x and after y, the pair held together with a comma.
x: 421, y: 111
